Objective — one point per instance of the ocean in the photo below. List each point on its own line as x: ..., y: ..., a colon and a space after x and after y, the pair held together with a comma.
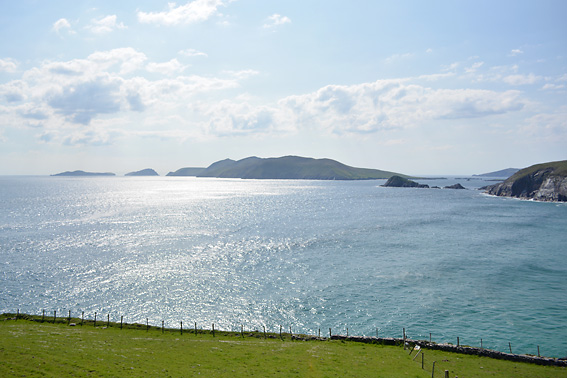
x: 310, y: 255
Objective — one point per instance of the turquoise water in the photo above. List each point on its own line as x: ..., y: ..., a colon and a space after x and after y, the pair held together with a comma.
x: 307, y: 254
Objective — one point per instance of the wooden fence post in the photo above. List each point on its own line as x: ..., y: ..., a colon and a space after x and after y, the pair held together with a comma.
x: 433, y: 370
x: 510, y: 345
x: 54, y: 316
x: 181, y: 327
x: 17, y: 314
x: 147, y: 325
x: 195, y: 328
x: 264, y: 331
x: 69, y: 318
x: 162, y: 326
x: 213, y: 329
x: 82, y: 317
x: 121, y: 319
x: 43, y: 316
x: 107, y: 320
x: 95, y: 319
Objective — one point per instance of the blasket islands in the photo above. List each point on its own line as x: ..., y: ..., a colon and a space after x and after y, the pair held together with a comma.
x: 540, y: 182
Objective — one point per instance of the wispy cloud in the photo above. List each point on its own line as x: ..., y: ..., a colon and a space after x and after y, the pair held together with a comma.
x: 62, y: 24
x: 8, y: 65
x: 516, y: 52
x: 192, y: 52
x: 194, y: 11
x: 276, y: 20
x: 105, y: 25
x: 167, y: 68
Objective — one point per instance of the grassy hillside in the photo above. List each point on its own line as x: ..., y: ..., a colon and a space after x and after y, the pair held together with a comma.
x: 291, y: 167
x: 558, y: 168
x: 34, y: 349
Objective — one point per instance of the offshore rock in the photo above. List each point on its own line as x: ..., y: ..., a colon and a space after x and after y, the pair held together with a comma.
x: 401, y: 182
x: 455, y: 186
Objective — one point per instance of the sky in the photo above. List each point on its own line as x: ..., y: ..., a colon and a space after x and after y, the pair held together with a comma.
x: 416, y: 87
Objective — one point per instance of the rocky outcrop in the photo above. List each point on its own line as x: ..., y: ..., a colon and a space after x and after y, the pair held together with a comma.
x: 455, y: 186
x: 542, y: 182
x: 401, y: 182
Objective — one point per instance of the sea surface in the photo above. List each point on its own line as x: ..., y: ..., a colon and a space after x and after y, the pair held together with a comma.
x: 310, y: 255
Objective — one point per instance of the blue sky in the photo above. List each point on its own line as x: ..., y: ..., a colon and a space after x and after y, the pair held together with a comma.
x: 417, y: 87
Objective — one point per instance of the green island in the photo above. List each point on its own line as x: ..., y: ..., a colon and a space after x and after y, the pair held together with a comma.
x: 37, y: 346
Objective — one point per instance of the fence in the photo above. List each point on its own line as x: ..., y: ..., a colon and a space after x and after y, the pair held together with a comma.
x: 418, y: 346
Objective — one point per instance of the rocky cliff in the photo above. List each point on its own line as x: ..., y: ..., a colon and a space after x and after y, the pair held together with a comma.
x: 541, y: 182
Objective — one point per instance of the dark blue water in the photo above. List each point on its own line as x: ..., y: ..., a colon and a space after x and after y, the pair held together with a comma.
x: 307, y: 254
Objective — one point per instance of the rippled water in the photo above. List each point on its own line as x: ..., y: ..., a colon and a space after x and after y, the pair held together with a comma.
x: 307, y: 254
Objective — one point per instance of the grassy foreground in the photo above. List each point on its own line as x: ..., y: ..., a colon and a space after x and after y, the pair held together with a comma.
x: 34, y: 349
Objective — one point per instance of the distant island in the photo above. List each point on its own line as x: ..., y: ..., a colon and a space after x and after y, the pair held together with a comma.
x: 540, y: 182
x: 402, y: 182
x: 291, y: 167
x: 501, y: 174
x: 83, y: 173
x: 143, y: 172
x: 188, y: 171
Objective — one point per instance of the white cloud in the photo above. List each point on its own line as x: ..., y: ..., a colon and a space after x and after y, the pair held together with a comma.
x: 276, y: 20
x: 105, y: 25
x: 550, y: 86
x: 8, y: 65
x: 521, y: 79
x: 61, y: 24
x: 192, y: 52
x: 193, y: 11
x: 516, y: 52
x: 166, y: 68
x: 474, y: 67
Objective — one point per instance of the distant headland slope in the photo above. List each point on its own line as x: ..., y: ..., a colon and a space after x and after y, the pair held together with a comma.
x: 291, y: 167
x: 187, y: 171
x: 83, y: 173
x: 502, y: 173
x: 143, y: 172
x: 541, y: 182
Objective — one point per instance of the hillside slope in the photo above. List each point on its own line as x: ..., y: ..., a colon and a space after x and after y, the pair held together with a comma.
x: 541, y: 182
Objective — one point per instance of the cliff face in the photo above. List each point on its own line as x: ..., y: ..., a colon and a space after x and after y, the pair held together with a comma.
x: 543, y: 182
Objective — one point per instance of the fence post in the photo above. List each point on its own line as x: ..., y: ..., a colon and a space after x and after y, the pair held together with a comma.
x: 181, y: 327
x: 330, y: 334
x: 422, y: 354
x: 82, y: 317
x: 213, y: 329
x: 242, y: 331
x: 69, y: 318
x: 95, y: 319
x: 121, y: 318
x: 458, y: 342
x: 446, y: 373
x: 195, y: 328
x: 43, y: 316
x: 147, y: 325
x: 510, y: 346
x: 17, y: 314
x: 281, y: 332
x: 162, y: 326
x: 264, y: 331
x: 54, y: 316
x: 404, y: 339
x: 538, y: 351
x: 433, y: 370
x: 107, y: 320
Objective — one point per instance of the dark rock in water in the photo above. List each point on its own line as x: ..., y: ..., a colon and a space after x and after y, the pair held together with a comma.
x: 83, y: 173
x: 456, y: 186
x: 541, y: 182
x: 143, y: 172
x: 401, y: 182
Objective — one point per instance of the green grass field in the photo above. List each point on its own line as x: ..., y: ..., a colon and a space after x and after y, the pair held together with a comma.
x: 34, y: 349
